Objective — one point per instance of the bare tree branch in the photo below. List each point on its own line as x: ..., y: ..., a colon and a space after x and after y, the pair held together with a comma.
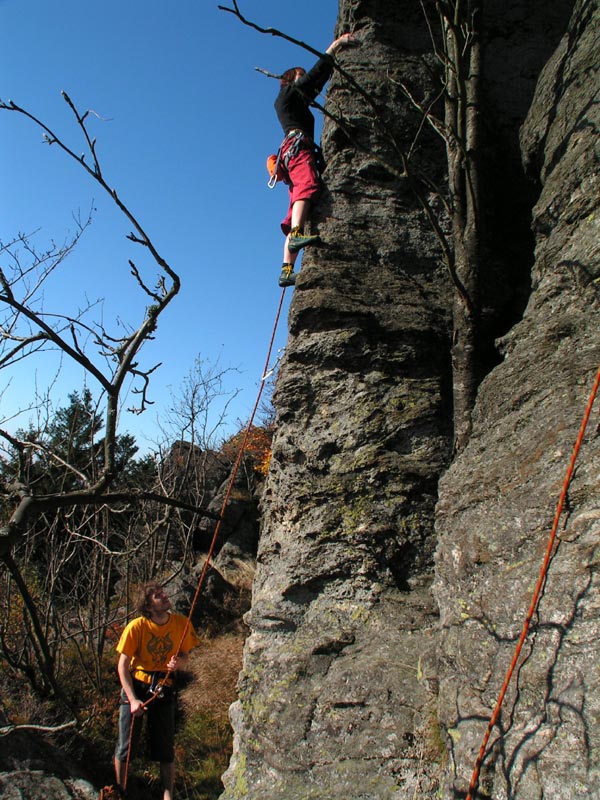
x: 271, y: 31
x: 5, y: 730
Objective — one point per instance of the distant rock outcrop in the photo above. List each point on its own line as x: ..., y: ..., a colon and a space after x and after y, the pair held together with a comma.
x: 359, y: 681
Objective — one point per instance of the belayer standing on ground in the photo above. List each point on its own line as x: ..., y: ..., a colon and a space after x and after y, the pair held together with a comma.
x: 147, y: 651
x: 297, y: 157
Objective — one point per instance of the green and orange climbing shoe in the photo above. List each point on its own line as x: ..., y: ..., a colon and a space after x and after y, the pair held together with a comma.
x: 298, y: 240
x: 288, y: 276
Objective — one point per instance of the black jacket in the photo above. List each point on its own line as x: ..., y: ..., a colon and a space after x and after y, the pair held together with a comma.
x: 292, y: 103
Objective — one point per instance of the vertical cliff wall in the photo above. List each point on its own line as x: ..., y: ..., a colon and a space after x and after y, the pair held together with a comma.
x: 498, y: 499
x: 343, y: 620
x: 339, y: 691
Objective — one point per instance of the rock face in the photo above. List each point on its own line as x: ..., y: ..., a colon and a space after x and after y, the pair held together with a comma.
x: 33, y: 769
x: 34, y: 785
x: 343, y: 621
x: 498, y: 499
x: 359, y: 681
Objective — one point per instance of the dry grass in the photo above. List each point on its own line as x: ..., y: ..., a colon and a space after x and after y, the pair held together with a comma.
x: 204, y: 743
x: 215, y: 664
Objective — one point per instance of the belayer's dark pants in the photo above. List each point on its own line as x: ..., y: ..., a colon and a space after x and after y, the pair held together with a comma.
x: 160, y: 721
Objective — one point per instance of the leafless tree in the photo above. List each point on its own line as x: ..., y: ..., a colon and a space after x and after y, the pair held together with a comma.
x: 81, y: 516
x: 460, y: 58
x: 187, y: 459
x: 27, y: 328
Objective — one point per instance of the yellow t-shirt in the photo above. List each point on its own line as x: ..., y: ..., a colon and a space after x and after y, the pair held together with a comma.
x: 150, y: 646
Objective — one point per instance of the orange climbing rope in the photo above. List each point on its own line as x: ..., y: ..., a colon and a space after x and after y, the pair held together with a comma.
x: 234, y: 473
x: 107, y: 792
x: 550, y: 549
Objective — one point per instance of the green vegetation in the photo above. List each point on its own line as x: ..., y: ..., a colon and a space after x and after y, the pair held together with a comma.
x: 202, y: 752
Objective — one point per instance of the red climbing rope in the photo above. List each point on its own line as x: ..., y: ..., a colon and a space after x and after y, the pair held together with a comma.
x: 234, y: 473
x: 537, y: 592
x: 213, y: 543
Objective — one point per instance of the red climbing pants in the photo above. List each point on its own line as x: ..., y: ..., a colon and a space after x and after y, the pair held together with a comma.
x: 303, y: 182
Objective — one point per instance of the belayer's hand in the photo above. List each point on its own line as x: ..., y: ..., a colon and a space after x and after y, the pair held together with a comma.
x: 178, y: 661
x: 136, y: 707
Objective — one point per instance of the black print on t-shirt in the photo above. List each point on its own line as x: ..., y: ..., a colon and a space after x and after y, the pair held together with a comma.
x: 160, y: 647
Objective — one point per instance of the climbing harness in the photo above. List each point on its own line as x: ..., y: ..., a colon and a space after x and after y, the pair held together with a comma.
x: 277, y: 165
x: 550, y: 550
x: 280, y: 164
x: 296, y: 140
x: 160, y: 680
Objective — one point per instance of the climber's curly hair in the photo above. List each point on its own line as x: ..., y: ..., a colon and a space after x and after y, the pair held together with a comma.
x: 290, y: 75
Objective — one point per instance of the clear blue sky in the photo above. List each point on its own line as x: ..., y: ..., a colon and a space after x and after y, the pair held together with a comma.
x: 185, y: 125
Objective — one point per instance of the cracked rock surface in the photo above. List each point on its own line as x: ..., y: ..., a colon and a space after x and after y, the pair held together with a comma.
x: 386, y: 603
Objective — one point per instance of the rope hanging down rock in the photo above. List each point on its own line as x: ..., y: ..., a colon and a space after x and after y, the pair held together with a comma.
x: 550, y: 550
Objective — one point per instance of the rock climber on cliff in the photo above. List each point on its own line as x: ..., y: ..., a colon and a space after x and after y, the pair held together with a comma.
x: 297, y: 154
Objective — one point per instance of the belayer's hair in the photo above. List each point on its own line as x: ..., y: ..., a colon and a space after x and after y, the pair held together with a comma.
x: 143, y: 605
x: 289, y: 76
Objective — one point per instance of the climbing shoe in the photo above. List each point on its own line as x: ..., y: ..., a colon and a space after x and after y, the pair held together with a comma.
x: 298, y: 240
x: 288, y: 276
